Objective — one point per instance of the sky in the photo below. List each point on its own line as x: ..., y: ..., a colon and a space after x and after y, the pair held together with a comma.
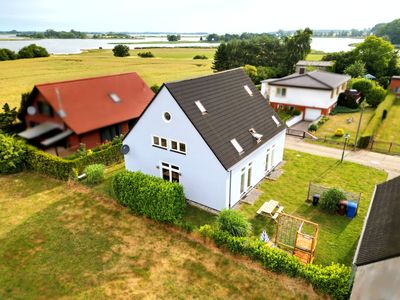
x: 220, y: 16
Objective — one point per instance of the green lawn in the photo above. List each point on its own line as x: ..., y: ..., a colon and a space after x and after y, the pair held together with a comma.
x: 60, y: 240
x: 389, y: 131
x: 340, y: 121
x: 21, y: 75
x: 338, y: 235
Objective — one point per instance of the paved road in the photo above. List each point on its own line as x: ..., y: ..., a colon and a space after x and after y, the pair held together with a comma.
x: 389, y: 163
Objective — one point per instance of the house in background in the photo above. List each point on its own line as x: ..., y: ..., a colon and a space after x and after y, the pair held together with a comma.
x: 395, y: 85
x: 311, y: 65
x: 89, y: 111
x: 377, y: 259
x: 216, y: 135
x: 313, y: 93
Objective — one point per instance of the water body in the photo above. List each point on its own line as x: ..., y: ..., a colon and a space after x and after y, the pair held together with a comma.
x: 70, y: 46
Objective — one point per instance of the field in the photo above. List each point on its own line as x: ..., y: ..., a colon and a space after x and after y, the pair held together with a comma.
x: 389, y: 131
x: 327, y: 130
x: 338, y: 235
x: 60, y: 240
x: 19, y: 76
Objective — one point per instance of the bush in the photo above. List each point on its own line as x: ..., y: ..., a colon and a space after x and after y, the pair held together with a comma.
x: 339, y: 132
x: 313, y: 127
x: 12, y: 154
x: 296, y: 112
x: 155, y: 88
x: 151, y: 196
x: 200, y: 57
x: 343, y: 110
x: 362, y: 85
x: 32, y: 51
x: 145, y: 54
x: 233, y: 222
x: 347, y: 101
x: 7, y: 54
x: 121, y: 50
x: 332, y: 280
x: 94, y: 173
x: 173, y: 37
x: 384, y: 114
x: 330, y: 199
x: 251, y: 71
x: 376, y: 96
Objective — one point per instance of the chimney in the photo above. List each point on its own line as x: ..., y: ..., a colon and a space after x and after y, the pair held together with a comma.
x: 302, y: 70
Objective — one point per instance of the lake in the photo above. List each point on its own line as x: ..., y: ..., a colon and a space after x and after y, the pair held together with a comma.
x: 69, y: 46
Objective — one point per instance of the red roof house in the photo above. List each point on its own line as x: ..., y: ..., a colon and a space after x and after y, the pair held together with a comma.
x: 89, y: 111
x: 395, y: 85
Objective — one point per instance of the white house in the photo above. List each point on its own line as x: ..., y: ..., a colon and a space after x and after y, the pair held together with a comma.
x: 314, y: 93
x: 216, y: 135
x: 376, y: 262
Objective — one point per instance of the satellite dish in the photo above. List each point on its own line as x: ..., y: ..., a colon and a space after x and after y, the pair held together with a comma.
x: 125, y: 149
x: 31, y: 110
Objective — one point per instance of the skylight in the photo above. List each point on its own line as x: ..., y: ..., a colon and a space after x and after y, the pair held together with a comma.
x: 114, y: 97
x: 201, y: 107
x: 237, y: 146
x: 276, y: 121
x: 248, y: 90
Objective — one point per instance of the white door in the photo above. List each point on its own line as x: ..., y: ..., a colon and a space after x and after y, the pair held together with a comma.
x: 312, y: 114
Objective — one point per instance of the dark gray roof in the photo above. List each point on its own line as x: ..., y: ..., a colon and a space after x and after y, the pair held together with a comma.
x: 381, y: 236
x: 231, y: 112
x: 314, y: 79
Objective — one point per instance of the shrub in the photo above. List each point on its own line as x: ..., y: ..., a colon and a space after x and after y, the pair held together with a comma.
x: 12, y: 154
x: 347, y: 101
x: 233, y: 222
x: 94, y: 173
x: 362, y: 85
x: 7, y: 54
x: 343, y: 110
x: 330, y: 199
x: 155, y: 88
x: 339, y: 132
x: 384, y: 114
x: 121, y: 50
x: 200, y: 57
x: 151, y: 196
x: 145, y: 54
x: 332, y: 280
x: 32, y: 51
x: 376, y: 96
x: 173, y: 37
x: 313, y: 127
x: 296, y: 112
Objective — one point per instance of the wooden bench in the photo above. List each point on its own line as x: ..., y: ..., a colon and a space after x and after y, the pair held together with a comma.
x: 275, y: 216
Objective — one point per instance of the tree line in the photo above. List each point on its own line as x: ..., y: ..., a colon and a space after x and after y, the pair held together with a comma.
x: 269, y: 56
x: 390, y: 31
x: 52, y: 34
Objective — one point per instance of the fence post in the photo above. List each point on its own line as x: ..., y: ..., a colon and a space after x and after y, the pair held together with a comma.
x: 372, y: 144
x: 390, y: 147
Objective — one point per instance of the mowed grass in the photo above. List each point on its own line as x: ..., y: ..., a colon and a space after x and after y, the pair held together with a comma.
x: 327, y: 130
x: 338, y: 234
x: 389, y: 131
x: 60, y: 240
x: 20, y: 76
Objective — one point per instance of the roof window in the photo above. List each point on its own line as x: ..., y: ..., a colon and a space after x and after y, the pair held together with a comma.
x: 248, y: 90
x: 255, y: 135
x: 114, y: 97
x: 200, y: 107
x: 237, y: 146
x: 276, y: 121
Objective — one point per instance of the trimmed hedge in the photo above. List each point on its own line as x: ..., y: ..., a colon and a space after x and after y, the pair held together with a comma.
x: 233, y: 222
x: 333, y: 280
x: 343, y: 110
x: 94, y: 173
x: 375, y: 121
x: 151, y: 196
x: 53, y: 166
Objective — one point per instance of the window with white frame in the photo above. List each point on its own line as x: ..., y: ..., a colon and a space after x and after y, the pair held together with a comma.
x: 170, y: 172
x: 178, y: 147
x: 281, y: 91
x: 160, y: 142
x: 242, y: 180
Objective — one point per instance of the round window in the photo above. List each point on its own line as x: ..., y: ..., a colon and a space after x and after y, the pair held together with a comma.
x: 167, y: 116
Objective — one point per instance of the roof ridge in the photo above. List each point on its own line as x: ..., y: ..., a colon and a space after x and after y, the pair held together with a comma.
x: 320, y: 81
x: 84, y: 79
x: 207, y: 75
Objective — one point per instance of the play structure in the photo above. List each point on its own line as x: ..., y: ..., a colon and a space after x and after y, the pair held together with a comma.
x: 297, y: 236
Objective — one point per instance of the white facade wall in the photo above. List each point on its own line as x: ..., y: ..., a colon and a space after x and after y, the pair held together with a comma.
x: 258, y: 160
x: 312, y: 98
x: 203, y: 177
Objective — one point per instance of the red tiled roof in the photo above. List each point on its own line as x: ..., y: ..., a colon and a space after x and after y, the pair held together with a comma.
x: 88, y: 104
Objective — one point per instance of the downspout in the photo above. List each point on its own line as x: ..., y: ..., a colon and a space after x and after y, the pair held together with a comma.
x: 230, y: 187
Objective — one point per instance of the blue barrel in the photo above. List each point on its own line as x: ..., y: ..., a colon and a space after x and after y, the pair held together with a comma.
x: 351, y: 209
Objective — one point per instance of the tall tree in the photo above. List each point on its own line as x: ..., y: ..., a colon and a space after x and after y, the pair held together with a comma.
x: 298, y: 47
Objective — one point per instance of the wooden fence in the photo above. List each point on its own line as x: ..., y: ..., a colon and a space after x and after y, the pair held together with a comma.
x: 384, y: 147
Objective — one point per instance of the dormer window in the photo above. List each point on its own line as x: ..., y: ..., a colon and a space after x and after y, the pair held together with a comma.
x: 114, y: 97
x: 237, y: 146
x: 255, y: 135
x: 200, y: 106
x: 248, y: 90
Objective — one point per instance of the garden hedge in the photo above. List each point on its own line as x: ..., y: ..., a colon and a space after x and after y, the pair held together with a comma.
x: 151, y: 196
x: 375, y: 121
x: 332, y: 280
x: 53, y: 166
